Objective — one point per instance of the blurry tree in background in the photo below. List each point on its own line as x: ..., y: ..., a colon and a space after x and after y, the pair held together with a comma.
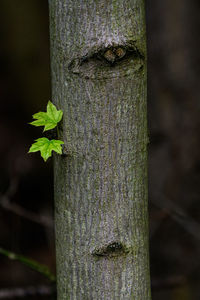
x: 26, y: 183
x: 174, y: 166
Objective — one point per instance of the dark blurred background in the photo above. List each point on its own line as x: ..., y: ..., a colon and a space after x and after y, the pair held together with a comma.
x: 26, y: 183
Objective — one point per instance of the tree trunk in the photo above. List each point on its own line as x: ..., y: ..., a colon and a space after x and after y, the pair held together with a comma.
x: 98, y: 57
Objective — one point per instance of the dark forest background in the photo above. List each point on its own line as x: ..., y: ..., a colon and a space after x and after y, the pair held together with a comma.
x: 26, y: 182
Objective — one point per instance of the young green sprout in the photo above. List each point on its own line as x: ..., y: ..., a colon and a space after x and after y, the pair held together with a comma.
x: 49, y: 120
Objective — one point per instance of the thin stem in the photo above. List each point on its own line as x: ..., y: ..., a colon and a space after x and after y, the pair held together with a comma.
x: 34, y: 265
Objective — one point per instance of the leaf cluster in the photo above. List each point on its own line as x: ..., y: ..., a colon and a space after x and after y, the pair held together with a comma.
x: 49, y: 120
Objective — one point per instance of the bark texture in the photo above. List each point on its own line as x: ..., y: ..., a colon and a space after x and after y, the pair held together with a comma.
x: 98, y: 55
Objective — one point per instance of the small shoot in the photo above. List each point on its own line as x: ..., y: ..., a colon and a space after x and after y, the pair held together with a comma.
x: 46, y: 146
x: 49, y: 120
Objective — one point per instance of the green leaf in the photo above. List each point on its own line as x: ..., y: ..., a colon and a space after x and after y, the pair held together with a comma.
x: 46, y: 146
x: 48, y: 119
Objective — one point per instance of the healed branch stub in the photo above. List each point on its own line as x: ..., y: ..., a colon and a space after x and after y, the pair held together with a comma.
x: 108, y: 62
x: 98, y: 61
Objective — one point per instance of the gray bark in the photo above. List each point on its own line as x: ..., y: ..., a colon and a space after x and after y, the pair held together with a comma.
x: 98, y: 56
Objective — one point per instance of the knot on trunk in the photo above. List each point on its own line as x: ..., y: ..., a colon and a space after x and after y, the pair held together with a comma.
x: 110, y: 250
x: 108, y: 61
